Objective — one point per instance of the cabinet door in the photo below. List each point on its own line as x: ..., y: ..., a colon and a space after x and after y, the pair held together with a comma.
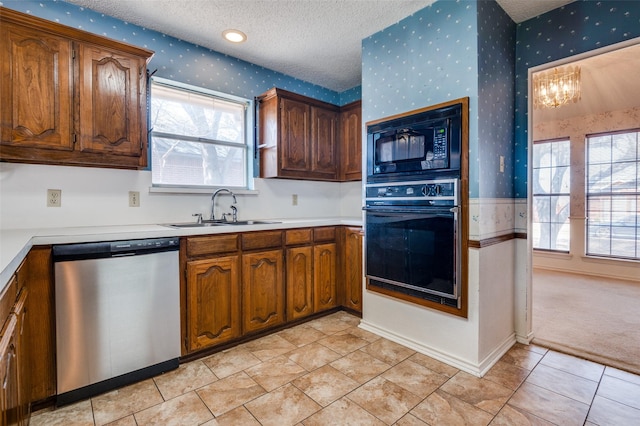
x: 41, y: 329
x: 324, y: 133
x: 112, y: 102
x: 9, y: 374
x: 36, y: 90
x: 262, y: 290
x: 295, y: 137
x: 351, y: 143
x: 299, y: 282
x: 22, y: 353
x: 324, y: 276
x: 353, y: 269
x: 213, y: 301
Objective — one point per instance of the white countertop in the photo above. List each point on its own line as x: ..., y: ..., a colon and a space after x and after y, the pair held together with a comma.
x: 15, y: 244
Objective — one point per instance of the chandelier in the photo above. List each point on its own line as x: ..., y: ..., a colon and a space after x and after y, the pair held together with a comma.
x: 552, y: 89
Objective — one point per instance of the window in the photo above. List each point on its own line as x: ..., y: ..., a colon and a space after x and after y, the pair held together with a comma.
x: 199, y: 137
x: 551, y: 177
x: 613, y: 195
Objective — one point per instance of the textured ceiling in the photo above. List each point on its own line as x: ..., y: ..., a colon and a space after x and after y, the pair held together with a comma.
x: 318, y: 41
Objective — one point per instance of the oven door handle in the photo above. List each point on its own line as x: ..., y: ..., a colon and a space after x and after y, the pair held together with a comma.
x: 405, y: 210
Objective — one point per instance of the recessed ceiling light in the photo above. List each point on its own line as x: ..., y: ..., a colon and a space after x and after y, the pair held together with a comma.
x: 234, y: 36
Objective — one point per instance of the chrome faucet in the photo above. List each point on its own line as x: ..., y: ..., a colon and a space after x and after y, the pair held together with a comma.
x: 213, y: 203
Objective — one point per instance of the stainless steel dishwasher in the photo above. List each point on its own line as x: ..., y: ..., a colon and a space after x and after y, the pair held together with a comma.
x: 117, y: 314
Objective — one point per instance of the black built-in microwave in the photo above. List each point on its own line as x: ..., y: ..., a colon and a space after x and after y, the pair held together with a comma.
x: 416, y: 144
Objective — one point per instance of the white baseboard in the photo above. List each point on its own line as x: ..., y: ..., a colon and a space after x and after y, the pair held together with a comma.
x: 452, y: 360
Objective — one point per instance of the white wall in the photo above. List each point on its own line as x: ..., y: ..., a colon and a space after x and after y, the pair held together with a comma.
x: 95, y: 197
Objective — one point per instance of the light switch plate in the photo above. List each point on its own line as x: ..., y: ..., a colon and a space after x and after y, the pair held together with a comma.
x: 134, y: 199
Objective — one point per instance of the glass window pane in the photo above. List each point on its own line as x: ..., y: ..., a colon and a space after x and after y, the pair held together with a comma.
x: 542, y: 208
x: 542, y: 155
x: 612, y: 225
x: 625, y: 147
x: 599, y: 178
x: 559, y: 238
x: 560, y: 180
x: 560, y: 151
x: 599, y: 149
x: 198, y: 137
x: 193, y: 163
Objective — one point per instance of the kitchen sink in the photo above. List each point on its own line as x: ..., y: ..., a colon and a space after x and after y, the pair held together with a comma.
x: 206, y: 223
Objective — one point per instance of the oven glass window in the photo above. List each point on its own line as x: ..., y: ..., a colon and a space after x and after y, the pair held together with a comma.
x: 413, y: 253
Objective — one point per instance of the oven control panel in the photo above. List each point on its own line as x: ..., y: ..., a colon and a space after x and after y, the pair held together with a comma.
x: 443, y: 190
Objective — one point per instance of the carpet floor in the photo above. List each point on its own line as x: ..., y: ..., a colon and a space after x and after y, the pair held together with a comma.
x: 589, y: 317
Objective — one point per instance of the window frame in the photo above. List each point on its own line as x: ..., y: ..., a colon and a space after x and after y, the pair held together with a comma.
x: 566, y: 139
x: 250, y: 164
x: 589, y: 196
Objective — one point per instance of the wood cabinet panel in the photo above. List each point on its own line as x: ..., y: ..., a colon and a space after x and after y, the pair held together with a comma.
x: 212, y: 244
x: 41, y: 326
x: 213, y: 301
x: 325, y: 233
x: 36, y: 88
x: 298, y: 136
x: 9, y: 397
x: 112, y: 101
x: 295, y: 140
x: 324, y: 149
x: 71, y: 97
x: 353, y: 271
x: 262, y: 290
x: 22, y: 356
x: 351, y: 142
x: 298, y: 236
x: 261, y: 240
x: 299, y: 280
x: 324, y: 276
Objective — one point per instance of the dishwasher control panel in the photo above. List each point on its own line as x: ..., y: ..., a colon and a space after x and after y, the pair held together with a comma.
x: 143, y: 245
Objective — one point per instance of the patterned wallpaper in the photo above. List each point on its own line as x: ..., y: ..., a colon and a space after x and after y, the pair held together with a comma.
x: 576, y: 28
x: 180, y: 60
x: 450, y: 50
x: 496, y: 57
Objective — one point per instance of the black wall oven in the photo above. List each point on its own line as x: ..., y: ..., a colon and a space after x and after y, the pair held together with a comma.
x: 413, y: 239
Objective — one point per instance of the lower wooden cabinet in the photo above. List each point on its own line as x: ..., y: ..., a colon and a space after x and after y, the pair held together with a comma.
x: 240, y: 284
x: 299, y: 282
x: 213, y: 301
x: 352, y: 270
x: 15, y: 371
x: 262, y: 290
x: 324, y: 277
x: 9, y: 398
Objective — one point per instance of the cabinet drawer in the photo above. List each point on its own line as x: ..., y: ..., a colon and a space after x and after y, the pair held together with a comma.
x: 298, y: 236
x: 261, y: 240
x: 327, y: 233
x: 198, y: 246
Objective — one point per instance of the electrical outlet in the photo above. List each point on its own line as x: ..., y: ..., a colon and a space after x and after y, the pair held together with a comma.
x: 134, y: 199
x: 502, y: 164
x: 54, y: 197
x: 294, y: 199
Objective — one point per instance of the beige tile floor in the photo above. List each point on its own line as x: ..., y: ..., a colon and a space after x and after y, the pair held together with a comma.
x: 329, y: 372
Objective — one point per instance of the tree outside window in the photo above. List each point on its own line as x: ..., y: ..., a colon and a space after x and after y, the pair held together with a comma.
x: 199, y: 138
x: 551, y: 194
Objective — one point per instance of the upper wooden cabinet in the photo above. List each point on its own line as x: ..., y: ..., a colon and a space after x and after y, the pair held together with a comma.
x: 302, y: 138
x: 70, y: 97
x: 351, y: 141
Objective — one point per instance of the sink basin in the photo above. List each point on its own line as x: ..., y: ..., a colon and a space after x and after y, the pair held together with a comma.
x: 206, y: 223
